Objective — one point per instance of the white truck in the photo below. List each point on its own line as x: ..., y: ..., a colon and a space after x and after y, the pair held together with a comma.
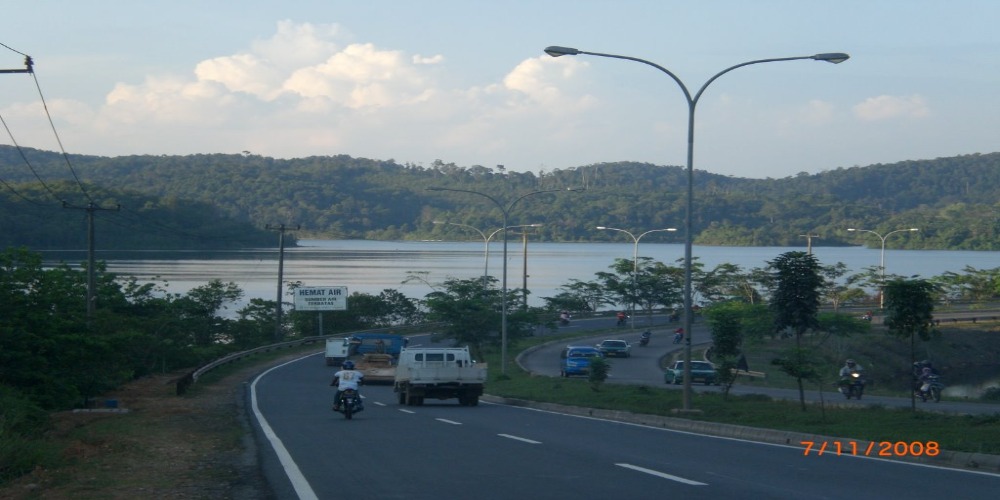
x: 337, y: 351
x: 438, y: 373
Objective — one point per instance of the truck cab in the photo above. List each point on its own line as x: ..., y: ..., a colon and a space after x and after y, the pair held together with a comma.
x: 337, y: 351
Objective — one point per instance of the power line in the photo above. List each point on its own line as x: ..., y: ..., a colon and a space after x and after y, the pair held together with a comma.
x: 29, y: 68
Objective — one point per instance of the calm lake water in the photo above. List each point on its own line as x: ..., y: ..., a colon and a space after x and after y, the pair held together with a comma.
x: 372, y: 266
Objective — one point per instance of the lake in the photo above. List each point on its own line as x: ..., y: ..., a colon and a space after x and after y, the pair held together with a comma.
x: 372, y: 266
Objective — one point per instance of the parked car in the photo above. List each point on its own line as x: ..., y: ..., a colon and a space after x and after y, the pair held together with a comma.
x: 575, y: 360
x: 618, y: 348
x: 703, y: 371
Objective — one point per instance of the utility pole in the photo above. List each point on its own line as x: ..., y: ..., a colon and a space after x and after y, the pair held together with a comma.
x: 809, y: 241
x: 281, y: 271
x: 27, y: 67
x: 91, y: 264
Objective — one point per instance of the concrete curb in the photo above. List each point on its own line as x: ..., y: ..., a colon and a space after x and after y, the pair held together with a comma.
x: 952, y: 459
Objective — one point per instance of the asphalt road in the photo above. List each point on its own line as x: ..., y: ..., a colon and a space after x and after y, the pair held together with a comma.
x: 495, y: 451
x: 643, y: 367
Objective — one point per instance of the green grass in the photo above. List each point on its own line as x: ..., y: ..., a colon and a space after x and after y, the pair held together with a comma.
x: 978, y: 434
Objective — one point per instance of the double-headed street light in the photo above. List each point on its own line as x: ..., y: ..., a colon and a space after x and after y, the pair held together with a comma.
x: 556, y: 51
x: 881, y: 264
x: 635, y: 258
x: 505, y: 210
x: 486, y: 242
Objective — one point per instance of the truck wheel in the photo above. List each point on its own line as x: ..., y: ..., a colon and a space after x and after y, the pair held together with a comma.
x: 473, y: 400
x: 401, y: 397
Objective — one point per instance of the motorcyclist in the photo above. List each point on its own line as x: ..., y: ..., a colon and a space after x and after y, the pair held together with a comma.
x: 347, y: 378
x: 919, y: 368
x: 927, y: 375
x: 678, y: 335
x: 849, y: 367
x: 644, y: 338
x: 621, y: 317
x: 564, y: 317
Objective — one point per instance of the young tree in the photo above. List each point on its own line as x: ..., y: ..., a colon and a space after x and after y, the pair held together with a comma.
x: 599, y: 368
x: 795, y: 302
x: 725, y: 318
x: 653, y: 284
x: 837, y: 292
x: 472, y: 316
x: 909, y: 308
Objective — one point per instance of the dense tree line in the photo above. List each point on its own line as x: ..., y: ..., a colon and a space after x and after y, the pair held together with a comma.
x: 952, y: 200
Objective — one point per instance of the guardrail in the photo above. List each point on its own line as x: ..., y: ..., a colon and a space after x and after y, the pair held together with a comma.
x: 189, y: 379
x: 970, y: 319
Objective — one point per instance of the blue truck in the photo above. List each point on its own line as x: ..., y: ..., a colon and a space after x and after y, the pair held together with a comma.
x: 378, y: 343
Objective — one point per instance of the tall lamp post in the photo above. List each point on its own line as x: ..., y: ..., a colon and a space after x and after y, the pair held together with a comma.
x: 556, y: 51
x: 486, y: 242
x: 635, y: 258
x: 881, y: 262
x: 505, y: 210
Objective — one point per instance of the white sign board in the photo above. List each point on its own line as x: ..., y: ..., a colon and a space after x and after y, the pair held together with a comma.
x: 321, y: 298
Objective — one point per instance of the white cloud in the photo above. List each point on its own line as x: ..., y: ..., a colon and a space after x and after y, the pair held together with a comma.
x: 885, y: 107
x: 816, y: 112
x: 437, y: 59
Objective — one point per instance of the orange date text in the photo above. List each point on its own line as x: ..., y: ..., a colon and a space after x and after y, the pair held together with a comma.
x: 872, y: 448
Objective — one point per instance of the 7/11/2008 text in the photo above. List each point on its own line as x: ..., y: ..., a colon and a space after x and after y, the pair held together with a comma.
x: 873, y: 448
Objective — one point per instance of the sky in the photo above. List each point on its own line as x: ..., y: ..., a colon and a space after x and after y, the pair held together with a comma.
x: 467, y: 81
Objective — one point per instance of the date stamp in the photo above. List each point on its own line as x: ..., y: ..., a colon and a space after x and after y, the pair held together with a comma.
x: 872, y: 448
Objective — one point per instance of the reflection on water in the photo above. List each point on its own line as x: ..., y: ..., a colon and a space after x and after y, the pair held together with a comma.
x: 372, y: 266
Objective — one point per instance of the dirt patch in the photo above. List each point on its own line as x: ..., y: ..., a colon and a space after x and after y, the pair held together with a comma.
x: 164, y: 446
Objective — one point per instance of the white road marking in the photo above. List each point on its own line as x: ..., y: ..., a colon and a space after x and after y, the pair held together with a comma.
x: 452, y: 422
x: 379, y: 403
x: 664, y: 475
x: 295, y: 476
x: 407, y: 411
x: 525, y: 440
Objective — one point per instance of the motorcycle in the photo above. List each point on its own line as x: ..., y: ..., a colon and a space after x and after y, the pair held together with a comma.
x: 931, y: 388
x: 852, y: 385
x: 564, y: 319
x: 349, y: 403
x: 621, y: 320
x: 678, y: 336
x: 644, y: 338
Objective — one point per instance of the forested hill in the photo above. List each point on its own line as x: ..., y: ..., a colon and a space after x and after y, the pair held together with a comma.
x: 953, y: 201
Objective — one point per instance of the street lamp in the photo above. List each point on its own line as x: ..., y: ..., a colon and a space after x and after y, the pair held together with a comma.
x: 505, y: 210
x: 486, y: 242
x: 881, y: 265
x: 556, y: 51
x: 635, y: 258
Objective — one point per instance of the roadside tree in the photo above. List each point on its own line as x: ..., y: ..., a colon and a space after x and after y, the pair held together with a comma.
x: 795, y: 303
x: 910, y: 313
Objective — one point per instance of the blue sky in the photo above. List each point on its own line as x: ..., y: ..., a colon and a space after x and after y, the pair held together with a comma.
x: 466, y: 82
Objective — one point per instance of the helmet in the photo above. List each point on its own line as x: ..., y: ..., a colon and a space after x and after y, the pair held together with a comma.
x: 348, y: 365
x: 850, y: 362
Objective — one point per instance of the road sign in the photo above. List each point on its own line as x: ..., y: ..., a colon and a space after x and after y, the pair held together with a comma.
x: 321, y: 298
